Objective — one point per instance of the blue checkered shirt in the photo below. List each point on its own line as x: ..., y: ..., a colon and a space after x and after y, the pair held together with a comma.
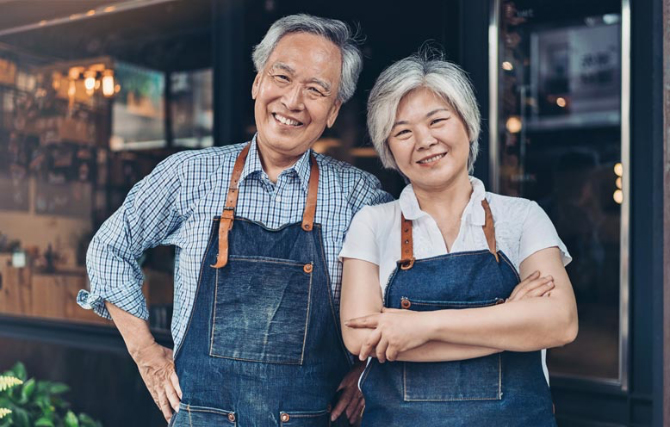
x: 175, y: 204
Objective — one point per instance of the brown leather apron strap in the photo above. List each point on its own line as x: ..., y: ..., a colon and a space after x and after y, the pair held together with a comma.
x: 228, y: 214
x: 489, y: 230
x: 407, y: 244
x: 312, y: 192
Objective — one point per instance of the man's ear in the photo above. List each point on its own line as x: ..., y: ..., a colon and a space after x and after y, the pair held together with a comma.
x: 255, y: 86
x: 332, y: 114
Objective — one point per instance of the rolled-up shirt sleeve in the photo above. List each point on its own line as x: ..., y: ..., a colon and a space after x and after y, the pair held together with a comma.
x: 149, y: 214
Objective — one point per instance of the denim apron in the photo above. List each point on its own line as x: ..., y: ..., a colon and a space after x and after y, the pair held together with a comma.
x: 263, y: 345
x: 503, y: 389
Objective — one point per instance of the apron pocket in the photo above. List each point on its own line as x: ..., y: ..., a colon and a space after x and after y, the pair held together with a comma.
x: 261, y: 310
x: 305, y: 419
x: 202, y: 416
x: 473, y: 379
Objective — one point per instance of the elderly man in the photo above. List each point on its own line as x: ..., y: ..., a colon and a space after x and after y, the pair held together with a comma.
x: 257, y: 227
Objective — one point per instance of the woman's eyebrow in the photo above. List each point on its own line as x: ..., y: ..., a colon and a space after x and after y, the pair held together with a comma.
x: 437, y: 110
x: 404, y: 122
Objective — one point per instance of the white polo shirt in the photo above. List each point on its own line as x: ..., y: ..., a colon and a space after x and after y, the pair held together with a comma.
x: 521, y: 227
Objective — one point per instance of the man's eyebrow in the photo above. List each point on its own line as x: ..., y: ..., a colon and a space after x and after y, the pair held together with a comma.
x: 280, y: 65
x: 321, y: 83
x: 435, y: 111
x: 284, y: 67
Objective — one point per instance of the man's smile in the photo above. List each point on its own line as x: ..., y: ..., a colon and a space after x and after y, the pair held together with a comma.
x: 286, y: 121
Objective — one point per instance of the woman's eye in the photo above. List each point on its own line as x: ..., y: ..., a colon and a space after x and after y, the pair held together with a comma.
x: 402, y: 132
x: 435, y: 121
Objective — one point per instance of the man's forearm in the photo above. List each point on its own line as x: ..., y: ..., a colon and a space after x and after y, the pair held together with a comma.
x: 135, y: 331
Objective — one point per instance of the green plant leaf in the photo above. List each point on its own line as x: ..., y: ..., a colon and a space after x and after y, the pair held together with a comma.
x: 45, y: 422
x: 28, y: 389
x: 19, y: 371
x: 71, y: 420
x: 20, y: 417
x: 58, y: 388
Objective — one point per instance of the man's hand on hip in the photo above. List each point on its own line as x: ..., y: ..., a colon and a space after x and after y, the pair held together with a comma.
x: 157, y: 370
x: 351, y: 399
x: 153, y: 360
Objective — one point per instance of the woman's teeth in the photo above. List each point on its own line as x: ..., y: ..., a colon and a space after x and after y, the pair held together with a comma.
x: 432, y: 159
x: 286, y: 120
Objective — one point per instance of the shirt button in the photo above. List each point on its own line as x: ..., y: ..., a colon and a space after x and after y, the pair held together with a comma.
x: 285, y: 417
x: 278, y: 199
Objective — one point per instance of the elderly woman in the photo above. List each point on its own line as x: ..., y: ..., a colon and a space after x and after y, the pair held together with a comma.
x: 460, y: 335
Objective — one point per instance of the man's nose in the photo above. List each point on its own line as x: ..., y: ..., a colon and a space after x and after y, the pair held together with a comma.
x: 293, y: 98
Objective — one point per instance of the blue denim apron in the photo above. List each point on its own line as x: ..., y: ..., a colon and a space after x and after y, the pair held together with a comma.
x: 263, y: 345
x: 503, y: 389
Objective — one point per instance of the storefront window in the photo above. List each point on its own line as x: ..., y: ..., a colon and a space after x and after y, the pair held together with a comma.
x: 92, y: 97
x: 558, y: 140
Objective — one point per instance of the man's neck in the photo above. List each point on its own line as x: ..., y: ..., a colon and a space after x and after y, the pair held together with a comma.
x: 275, y: 163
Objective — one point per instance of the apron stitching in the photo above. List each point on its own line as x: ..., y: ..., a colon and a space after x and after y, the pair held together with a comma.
x: 202, y: 267
x: 307, y: 318
x: 213, y: 320
x: 331, y: 298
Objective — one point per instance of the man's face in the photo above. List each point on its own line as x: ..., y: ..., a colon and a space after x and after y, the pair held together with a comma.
x: 296, y: 94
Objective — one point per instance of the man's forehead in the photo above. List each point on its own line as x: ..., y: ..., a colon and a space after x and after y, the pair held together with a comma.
x: 306, y: 53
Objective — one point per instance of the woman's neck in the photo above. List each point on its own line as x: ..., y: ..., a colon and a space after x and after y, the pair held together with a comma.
x: 446, y: 202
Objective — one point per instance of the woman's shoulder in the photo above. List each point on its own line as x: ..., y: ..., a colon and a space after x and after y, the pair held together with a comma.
x: 379, y: 214
x: 509, y: 208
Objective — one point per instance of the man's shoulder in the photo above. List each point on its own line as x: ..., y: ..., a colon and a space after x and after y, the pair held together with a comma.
x: 205, y: 160
x: 344, y: 171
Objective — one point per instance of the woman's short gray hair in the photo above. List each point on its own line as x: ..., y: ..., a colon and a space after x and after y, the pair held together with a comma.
x: 331, y: 29
x: 445, y: 79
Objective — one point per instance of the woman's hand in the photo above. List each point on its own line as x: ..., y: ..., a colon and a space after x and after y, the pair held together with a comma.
x: 532, y: 286
x: 395, y: 331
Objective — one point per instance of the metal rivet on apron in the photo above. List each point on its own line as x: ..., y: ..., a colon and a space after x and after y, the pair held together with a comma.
x: 405, y: 303
x: 231, y: 418
x: 499, y: 301
x: 308, y: 268
x: 285, y: 417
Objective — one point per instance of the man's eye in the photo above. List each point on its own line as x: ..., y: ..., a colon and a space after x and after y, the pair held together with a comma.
x: 281, y: 78
x: 315, y: 91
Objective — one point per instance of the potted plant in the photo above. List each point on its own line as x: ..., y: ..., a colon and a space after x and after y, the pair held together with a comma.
x: 29, y: 402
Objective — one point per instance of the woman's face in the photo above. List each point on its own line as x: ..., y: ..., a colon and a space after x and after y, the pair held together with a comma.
x: 429, y: 141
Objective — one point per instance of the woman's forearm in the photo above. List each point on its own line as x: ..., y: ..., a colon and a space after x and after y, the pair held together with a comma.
x: 436, y: 351
x: 525, y: 325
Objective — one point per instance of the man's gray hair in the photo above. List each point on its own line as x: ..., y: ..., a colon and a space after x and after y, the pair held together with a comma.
x: 331, y: 29
x: 445, y: 79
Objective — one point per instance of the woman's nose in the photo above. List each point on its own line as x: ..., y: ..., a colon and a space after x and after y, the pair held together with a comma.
x: 425, y: 139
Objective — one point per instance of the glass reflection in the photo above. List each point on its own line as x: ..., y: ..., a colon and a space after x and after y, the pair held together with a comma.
x: 560, y: 144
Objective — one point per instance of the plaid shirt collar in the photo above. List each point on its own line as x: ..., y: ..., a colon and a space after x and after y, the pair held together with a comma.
x: 253, y: 166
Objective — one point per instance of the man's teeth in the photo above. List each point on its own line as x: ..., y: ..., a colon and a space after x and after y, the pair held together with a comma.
x: 286, y: 120
x: 433, y: 159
